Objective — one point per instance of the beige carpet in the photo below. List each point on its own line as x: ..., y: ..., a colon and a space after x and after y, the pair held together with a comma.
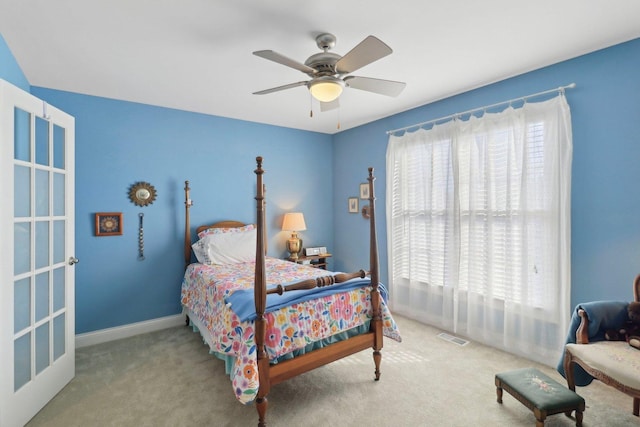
x: 167, y: 378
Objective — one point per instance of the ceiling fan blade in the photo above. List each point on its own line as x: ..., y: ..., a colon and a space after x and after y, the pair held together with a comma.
x: 281, y: 59
x: 328, y: 106
x: 279, y: 88
x: 383, y: 87
x: 369, y: 50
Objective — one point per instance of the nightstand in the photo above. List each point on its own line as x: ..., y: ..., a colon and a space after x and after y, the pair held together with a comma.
x: 317, y: 261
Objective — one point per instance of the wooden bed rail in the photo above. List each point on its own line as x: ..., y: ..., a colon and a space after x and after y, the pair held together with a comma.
x: 318, y: 282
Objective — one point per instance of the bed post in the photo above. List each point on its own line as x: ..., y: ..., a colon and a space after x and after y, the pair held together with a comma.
x: 187, y: 232
x: 260, y: 296
x: 376, y: 321
x: 187, y: 225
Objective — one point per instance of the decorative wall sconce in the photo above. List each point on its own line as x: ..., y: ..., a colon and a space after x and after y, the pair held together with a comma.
x: 142, y: 194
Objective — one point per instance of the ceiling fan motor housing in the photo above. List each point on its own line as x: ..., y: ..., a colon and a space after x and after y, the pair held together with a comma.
x: 324, y: 63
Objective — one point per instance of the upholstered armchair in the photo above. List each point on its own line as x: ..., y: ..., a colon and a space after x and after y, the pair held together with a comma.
x: 615, y: 363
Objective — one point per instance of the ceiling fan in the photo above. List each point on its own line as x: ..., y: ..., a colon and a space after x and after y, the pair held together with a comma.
x: 328, y: 70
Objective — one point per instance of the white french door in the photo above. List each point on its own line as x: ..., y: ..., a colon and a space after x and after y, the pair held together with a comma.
x: 37, y: 315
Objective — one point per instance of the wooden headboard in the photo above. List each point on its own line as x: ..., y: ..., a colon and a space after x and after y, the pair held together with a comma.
x: 187, y: 226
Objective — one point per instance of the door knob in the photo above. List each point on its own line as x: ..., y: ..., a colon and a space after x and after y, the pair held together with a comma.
x: 73, y: 260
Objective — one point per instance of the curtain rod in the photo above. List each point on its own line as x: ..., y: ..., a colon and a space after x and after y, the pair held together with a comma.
x: 451, y: 116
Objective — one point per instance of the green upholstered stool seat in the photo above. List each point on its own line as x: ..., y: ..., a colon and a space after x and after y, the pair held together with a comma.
x: 540, y: 393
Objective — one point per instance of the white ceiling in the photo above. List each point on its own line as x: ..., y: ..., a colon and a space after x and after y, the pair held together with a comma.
x: 196, y: 55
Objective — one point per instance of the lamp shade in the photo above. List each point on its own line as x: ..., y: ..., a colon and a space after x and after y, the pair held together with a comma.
x: 293, y: 221
x: 326, y: 89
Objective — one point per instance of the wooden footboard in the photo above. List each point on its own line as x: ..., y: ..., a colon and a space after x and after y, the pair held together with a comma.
x: 273, y: 374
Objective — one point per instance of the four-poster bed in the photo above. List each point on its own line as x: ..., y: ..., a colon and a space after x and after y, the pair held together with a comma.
x: 271, y: 319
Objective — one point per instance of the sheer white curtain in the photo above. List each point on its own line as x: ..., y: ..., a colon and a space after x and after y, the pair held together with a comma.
x: 478, y: 227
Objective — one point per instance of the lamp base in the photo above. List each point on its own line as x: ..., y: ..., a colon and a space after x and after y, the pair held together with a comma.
x: 294, y: 245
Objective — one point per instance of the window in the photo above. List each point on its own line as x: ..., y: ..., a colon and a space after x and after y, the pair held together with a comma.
x: 478, y: 224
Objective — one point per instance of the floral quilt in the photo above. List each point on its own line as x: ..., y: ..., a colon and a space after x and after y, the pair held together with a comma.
x: 204, y: 291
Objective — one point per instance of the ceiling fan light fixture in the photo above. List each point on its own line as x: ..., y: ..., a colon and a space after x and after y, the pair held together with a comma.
x: 326, y: 89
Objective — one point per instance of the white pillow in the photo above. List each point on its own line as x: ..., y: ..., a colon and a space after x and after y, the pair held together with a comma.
x: 223, y: 230
x: 226, y: 248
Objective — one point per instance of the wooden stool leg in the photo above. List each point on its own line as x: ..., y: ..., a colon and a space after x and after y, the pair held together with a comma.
x: 540, y: 417
x: 578, y: 418
x: 499, y: 389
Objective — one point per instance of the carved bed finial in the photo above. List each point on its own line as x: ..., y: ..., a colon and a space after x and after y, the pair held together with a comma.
x: 187, y: 200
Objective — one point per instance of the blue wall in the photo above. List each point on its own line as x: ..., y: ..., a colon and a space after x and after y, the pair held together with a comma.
x: 605, y: 109
x: 119, y: 143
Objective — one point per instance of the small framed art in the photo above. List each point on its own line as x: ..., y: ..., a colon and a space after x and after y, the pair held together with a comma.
x: 353, y: 205
x: 364, y: 191
x: 108, y: 224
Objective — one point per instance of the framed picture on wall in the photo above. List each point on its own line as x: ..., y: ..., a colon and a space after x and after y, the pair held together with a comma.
x: 108, y: 224
x: 364, y: 191
x: 353, y: 205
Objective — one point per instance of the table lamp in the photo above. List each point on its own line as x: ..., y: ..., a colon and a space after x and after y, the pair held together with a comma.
x: 294, y: 222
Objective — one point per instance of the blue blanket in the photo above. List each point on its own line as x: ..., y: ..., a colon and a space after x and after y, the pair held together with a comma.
x: 602, y: 315
x: 242, y: 302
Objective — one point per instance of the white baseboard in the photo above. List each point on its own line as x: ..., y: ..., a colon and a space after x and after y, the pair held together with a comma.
x: 125, y: 331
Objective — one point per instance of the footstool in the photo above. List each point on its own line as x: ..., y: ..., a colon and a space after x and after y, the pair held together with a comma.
x: 540, y: 393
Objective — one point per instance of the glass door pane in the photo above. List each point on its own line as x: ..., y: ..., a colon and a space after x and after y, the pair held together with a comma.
x: 21, y: 304
x: 22, y: 190
x: 22, y: 361
x: 59, y: 336
x: 42, y: 141
x: 21, y: 247
x: 21, y: 135
x: 42, y: 347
